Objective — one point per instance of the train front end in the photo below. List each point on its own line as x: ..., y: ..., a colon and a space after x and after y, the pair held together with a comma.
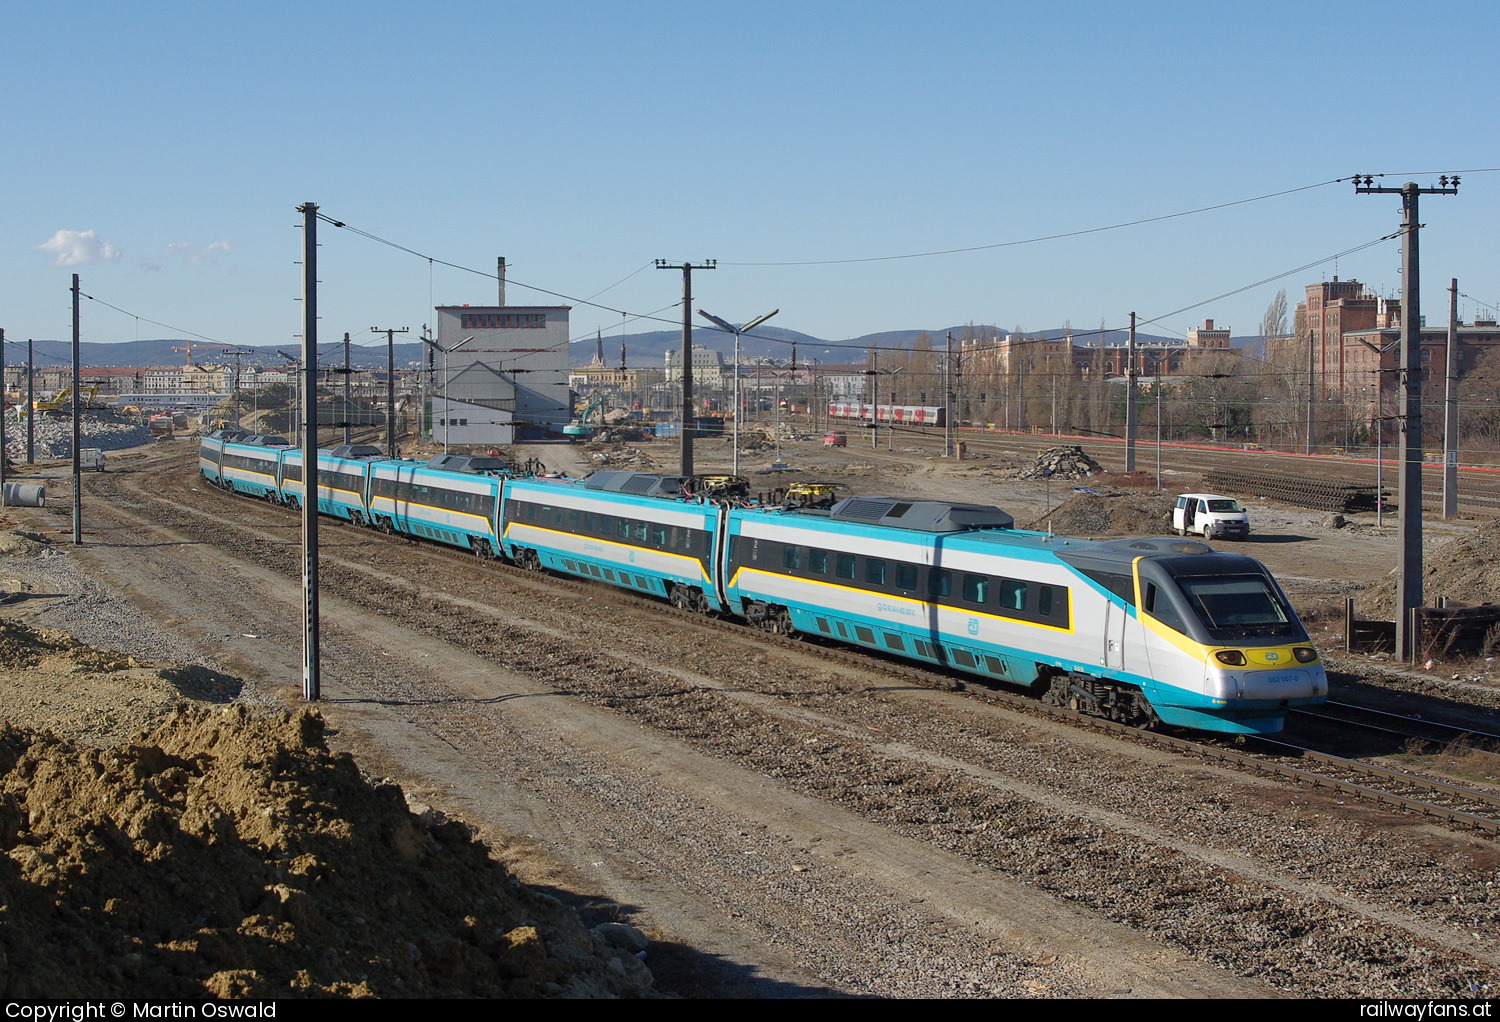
x: 1227, y: 650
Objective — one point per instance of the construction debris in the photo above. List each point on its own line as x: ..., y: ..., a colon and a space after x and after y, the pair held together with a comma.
x: 1064, y: 462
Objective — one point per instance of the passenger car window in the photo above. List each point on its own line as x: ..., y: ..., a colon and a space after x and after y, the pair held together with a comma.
x: 845, y: 566
x: 906, y: 576
x: 976, y: 588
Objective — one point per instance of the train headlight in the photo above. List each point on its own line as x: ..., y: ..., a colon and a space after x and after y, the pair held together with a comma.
x: 1232, y: 657
x: 1304, y: 654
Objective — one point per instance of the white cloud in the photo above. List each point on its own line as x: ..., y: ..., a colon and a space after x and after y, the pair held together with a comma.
x: 193, y: 254
x: 79, y: 248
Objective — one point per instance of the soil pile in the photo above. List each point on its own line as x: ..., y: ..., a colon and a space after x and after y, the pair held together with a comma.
x: 1111, y: 514
x: 224, y: 854
x: 1065, y: 462
x: 1467, y: 569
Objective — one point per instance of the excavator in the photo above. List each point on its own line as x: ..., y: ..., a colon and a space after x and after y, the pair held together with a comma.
x: 59, y: 401
x: 579, y: 428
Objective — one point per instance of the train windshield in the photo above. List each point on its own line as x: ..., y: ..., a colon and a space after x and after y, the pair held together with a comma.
x: 1240, y: 607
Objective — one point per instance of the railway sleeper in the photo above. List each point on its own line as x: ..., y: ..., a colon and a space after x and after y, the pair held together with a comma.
x: 1124, y: 704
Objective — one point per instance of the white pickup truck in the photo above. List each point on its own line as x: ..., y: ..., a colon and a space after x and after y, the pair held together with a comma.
x: 1212, y: 516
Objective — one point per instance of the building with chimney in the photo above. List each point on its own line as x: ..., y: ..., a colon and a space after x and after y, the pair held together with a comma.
x: 501, y: 374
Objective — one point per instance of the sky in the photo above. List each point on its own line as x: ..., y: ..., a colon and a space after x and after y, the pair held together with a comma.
x: 161, y: 151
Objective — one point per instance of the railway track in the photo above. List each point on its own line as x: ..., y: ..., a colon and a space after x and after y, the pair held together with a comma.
x: 997, y: 778
x: 1426, y: 796
x: 1478, y: 486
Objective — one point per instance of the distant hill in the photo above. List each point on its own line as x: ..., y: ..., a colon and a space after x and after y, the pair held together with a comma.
x: 648, y: 349
x: 642, y: 349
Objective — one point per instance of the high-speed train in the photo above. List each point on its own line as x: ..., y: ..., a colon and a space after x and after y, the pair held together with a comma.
x: 1136, y: 630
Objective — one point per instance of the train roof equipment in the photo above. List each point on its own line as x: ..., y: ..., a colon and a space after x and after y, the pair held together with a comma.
x: 471, y: 463
x: 919, y: 515
x: 354, y: 451
x: 645, y: 484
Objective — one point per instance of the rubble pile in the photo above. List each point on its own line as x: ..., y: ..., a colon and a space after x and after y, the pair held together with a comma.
x: 54, y: 435
x: 614, y: 454
x: 1063, y: 462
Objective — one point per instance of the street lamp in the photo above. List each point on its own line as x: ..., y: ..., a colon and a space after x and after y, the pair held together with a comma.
x: 447, y: 412
x: 716, y: 321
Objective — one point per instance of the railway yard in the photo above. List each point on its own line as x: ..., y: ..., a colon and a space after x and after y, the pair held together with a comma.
x: 782, y: 818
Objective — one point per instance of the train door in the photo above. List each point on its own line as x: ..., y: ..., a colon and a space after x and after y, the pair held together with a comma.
x: 1114, y: 635
x: 719, y: 556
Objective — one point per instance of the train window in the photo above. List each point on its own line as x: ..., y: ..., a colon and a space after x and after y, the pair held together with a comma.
x: 1012, y: 594
x: 588, y: 522
x: 791, y: 557
x: 875, y: 571
x: 817, y: 561
x: 906, y: 576
x: 606, y: 525
x: 1044, y: 600
x: 640, y: 532
x: 531, y: 512
x: 1159, y: 607
x: 940, y: 582
x: 844, y: 567
x: 622, y: 528
x: 573, y: 520
x: 659, y: 535
x: 976, y: 588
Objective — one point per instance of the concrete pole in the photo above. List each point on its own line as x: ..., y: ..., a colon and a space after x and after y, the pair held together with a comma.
x: 311, y: 660
x: 1308, y: 440
x: 948, y: 446
x: 1450, y: 409
x: 1131, y: 425
x: 77, y: 431
x: 346, y: 386
x: 30, y: 404
x: 4, y: 425
x: 1409, y: 568
x: 689, y: 420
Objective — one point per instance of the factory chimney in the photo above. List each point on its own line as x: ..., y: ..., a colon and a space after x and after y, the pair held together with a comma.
x: 500, y: 272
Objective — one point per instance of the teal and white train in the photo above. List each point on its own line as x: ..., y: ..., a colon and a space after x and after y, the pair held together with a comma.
x: 1136, y: 630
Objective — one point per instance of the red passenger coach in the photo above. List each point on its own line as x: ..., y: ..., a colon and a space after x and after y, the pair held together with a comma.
x: 906, y: 415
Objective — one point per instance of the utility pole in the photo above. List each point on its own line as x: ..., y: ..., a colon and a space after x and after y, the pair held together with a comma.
x: 948, y: 445
x: 346, y: 386
x: 390, y: 382
x: 4, y: 426
x: 1409, y: 567
x: 30, y: 404
x: 311, y: 681
x: 689, y: 420
x: 1311, y: 395
x: 77, y: 431
x: 1450, y: 409
x: 1131, y: 425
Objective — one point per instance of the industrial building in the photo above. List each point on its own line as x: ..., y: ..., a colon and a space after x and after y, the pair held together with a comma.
x: 502, y: 374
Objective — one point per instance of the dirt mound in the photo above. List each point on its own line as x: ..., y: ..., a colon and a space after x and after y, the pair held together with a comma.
x: 1111, y: 514
x: 1467, y: 569
x: 224, y: 854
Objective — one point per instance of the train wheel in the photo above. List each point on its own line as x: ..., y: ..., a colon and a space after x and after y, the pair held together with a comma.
x: 680, y: 598
x: 781, y: 623
x: 529, y: 560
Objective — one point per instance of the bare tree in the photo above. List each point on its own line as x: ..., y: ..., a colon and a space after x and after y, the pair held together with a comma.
x: 1273, y: 324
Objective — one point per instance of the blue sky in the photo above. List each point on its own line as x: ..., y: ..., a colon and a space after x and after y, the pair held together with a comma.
x: 170, y: 144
